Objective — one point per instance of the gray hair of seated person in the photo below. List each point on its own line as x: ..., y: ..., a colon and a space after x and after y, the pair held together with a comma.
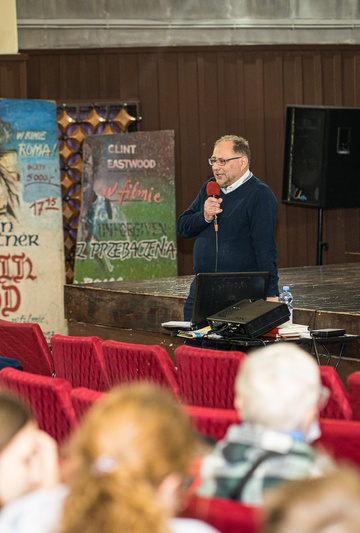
x: 328, y: 504
x: 277, y: 385
x: 13, y: 417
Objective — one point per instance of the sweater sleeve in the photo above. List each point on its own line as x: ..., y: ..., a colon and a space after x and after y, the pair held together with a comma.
x: 191, y: 222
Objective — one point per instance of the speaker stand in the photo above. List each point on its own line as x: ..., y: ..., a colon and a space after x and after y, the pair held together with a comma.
x: 320, y: 244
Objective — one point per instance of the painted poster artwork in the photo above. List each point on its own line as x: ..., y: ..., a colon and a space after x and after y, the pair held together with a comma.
x: 31, y: 241
x: 127, y: 226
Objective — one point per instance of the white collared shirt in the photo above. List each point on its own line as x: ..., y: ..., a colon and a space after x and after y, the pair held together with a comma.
x: 237, y: 183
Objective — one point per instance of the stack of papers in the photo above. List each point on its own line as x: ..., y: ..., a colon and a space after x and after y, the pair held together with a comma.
x: 196, y: 333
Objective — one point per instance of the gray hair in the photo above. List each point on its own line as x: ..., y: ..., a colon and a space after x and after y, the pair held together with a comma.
x: 277, y: 385
x: 240, y: 146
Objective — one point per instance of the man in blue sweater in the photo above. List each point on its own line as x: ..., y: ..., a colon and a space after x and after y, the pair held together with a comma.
x: 246, y: 212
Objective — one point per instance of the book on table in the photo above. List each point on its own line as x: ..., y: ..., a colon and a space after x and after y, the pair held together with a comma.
x: 287, y: 330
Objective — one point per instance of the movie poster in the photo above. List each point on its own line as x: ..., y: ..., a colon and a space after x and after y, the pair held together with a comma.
x: 31, y: 237
x: 127, y: 227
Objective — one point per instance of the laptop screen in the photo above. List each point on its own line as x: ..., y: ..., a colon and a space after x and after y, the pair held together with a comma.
x: 217, y: 290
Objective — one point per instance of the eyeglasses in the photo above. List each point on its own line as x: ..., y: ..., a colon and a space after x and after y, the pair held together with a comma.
x: 221, y: 162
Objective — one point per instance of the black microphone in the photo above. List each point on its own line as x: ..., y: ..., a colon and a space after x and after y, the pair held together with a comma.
x: 213, y: 189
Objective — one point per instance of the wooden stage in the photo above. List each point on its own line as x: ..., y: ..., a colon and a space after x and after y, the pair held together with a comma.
x: 132, y: 311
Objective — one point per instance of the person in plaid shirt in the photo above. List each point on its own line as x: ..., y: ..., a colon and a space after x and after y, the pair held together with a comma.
x: 278, y: 395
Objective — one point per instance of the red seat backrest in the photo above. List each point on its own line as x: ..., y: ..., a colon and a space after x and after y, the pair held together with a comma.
x: 353, y: 382
x: 225, y: 515
x: 338, y: 406
x: 82, y: 399
x: 80, y: 360
x: 126, y: 362
x: 207, y: 377
x: 341, y: 439
x: 47, y: 397
x: 212, y: 422
x: 26, y: 343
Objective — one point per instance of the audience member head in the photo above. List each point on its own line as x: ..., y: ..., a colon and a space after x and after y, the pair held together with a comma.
x: 28, y: 457
x: 129, y: 457
x: 328, y: 504
x: 279, y: 387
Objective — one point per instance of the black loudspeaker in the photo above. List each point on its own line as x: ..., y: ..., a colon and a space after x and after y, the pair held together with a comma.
x: 322, y: 156
x: 249, y: 319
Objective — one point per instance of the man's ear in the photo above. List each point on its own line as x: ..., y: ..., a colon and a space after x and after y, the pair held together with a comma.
x: 310, y: 416
x: 244, y: 162
x: 238, y: 404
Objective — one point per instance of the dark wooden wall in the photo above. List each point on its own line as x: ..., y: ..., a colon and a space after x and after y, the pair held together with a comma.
x: 13, y: 76
x: 204, y: 92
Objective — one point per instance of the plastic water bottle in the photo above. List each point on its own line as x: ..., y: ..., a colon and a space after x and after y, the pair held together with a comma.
x: 287, y: 298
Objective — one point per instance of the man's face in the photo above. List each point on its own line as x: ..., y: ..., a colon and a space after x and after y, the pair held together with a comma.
x: 232, y: 170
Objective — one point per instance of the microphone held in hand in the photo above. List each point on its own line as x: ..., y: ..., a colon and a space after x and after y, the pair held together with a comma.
x: 213, y: 189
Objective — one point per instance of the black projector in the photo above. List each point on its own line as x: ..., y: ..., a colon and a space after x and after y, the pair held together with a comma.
x: 249, y: 319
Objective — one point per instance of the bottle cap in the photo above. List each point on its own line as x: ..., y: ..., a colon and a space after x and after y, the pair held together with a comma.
x: 286, y: 288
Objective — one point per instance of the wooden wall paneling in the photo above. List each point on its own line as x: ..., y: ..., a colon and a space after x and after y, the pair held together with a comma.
x: 334, y: 235
x: 274, y: 142
x: 357, y: 80
x: 68, y: 87
x: 89, y: 76
x: 108, y: 77
x: 189, y: 101
x: 240, y: 102
x: 332, y: 83
x: 254, y: 111
x: 224, y: 101
x: 168, y: 93
x: 352, y: 231
x: 13, y: 76
x: 128, y: 72
x: 348, y: 79
x: 49, y: 76
x: 312, y: 79
x: 187, y: 184
x: 206, y: 86
x: 63, y: 80
x: 211, y: 109
x: 149, y: 90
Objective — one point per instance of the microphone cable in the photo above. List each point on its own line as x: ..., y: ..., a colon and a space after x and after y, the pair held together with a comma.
x: 213, y: 189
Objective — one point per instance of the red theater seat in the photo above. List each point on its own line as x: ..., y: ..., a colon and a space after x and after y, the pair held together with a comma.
x: 207, y: 377
x: 212, y: 422
x: 26, y: 343
x: 82, y: 399
x: 47, y: 397
x: 225, y: 515
x: 80, y: 360
x: 353, y: 382
x: 127, y: 362
x: 341, y: 439
x: 338, y: 406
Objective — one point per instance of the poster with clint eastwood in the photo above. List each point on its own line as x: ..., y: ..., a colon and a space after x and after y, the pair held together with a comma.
x: 32, y: 271
x: 127, y: 227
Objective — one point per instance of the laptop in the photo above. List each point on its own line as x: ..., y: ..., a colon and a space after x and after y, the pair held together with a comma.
x: 217, y: 290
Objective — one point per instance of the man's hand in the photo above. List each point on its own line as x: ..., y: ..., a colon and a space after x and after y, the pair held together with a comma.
x: 212, y: 208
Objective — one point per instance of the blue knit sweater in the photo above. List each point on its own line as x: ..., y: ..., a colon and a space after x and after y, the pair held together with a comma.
x: 246, y: 231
